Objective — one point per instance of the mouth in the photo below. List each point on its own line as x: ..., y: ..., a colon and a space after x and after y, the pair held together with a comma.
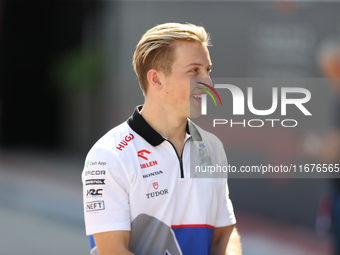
x: 198, y: 98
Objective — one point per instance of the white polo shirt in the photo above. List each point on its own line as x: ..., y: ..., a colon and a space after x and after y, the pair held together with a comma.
x: 134, y: 180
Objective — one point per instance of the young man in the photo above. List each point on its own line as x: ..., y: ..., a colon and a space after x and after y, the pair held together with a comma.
x: 138, y: 194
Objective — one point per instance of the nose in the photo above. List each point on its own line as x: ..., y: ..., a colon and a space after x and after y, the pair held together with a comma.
x: 206, y: 77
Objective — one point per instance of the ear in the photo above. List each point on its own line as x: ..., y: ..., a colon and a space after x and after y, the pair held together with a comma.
x: 154, y: 79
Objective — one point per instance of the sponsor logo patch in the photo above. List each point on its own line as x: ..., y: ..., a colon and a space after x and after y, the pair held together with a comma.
x: 152, y: 174
x: 146, y: 165
x: 141, y: 154
x: 94, y: 193
x: 157, y: 193
x: 95, y: 206
x: 95, y: 163
x: 124, y: 143
x: 204, y: 157
x: 95, y: 172
x: 95, y: 182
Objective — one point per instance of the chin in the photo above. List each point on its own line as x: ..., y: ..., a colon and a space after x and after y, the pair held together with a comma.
x: 195, y: 109
x: 195, y: 113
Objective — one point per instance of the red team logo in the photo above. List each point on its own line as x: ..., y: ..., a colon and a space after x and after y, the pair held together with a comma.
x: 155, y: 185
x: 141, y: 153
x: 146, y: 165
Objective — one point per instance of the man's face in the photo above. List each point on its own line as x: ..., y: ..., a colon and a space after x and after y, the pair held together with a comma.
x: 192, y: 60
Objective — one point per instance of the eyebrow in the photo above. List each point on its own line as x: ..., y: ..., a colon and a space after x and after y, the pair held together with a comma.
x: 197, y: 64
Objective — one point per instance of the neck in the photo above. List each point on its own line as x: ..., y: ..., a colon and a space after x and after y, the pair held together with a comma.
x: 165, y: 121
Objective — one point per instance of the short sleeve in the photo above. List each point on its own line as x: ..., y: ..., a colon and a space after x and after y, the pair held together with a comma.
x: 225, y: 214
x: 105, y: 192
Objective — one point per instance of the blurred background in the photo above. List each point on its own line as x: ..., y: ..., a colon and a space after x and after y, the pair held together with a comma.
x: 66, y: 78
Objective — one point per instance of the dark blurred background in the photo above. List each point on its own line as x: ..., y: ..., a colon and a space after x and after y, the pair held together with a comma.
x: 66, y: 78
x: 36, y: 37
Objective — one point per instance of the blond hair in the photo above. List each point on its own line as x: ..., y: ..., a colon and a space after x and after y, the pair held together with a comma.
x: 155, y: 49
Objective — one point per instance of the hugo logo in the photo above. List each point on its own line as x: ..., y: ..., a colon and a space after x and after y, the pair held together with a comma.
x: 141, y: 153
x: 124, y: 143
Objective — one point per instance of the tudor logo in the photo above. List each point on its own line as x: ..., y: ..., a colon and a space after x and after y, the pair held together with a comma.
x: 155, y: 185
x: 157, y: 193
x: 141, y: 153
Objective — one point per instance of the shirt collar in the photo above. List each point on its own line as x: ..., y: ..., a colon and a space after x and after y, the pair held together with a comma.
x: 141, y: 127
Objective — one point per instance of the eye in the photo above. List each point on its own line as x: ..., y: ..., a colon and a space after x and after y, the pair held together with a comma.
x: 194, y: 70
